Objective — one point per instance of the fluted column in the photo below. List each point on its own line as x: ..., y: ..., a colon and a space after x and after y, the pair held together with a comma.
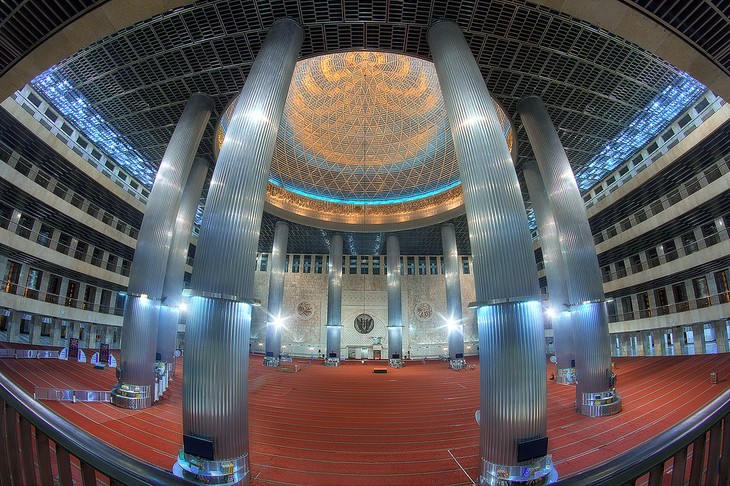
x: 334, y: 298
x: 395, y: 319
x: 454, y: 322
x: 176, y: 262
x: 583, y: 274
x: 276, y: 294
x: 215, y: 382
x: 513, y: 391
x: 557, y: 286
x: 147, y: 274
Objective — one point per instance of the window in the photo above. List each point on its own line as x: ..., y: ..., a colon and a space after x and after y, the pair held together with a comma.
x: 660, y: 295
x: 709, y: 233
x: 689, y: 242
x: 421, y: 265
x: 25, y: 225
x: 318, y: 264
x: 119, y: 305
x: 12, y: 274
x: 657, y: 207
x: 64, y: 243
x: 652, y: 257
x: 264, y: 261
x: 60, y: 190
x: 307, y: 266
x: 636, y: 265
x: 89, y: 296
x: 44, y: 235
x: 465, y: 265
x: 376, y: 265
x: 670, y: 250
x: 111, y: 263
x: 411, y: 266
x: 32, y: 285
x: 433, y: 265
x: 352, y: 265
x: 723, y: 289
x: 295, y: 263
x: 702, y: 293
x: 72, y: 294
x: 620, y: 269
x: 97, y: 257
x: 364, y: 265
x: 53, y: 289
x: 680, y: 297
x: 106, y: 300
x: 628, y: 307
x: 644, y: 307
x: 81, y: 249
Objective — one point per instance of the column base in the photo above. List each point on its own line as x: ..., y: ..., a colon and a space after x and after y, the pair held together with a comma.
x: 271, y: 361
x: 457, y: 364
x: 600, y: 404
x: 538, y: 472
x: 565, y: 376
x: 204, y: 471
x: 133, y: 397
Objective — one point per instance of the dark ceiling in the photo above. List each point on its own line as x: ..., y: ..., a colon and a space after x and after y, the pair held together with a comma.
x: 592, y: 82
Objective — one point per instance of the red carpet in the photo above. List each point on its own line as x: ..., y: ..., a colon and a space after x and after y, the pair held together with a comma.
x: 412, y: 426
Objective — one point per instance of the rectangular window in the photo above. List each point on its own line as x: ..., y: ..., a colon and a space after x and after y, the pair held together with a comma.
x: 702, y: 293
x: 723, y: 287
x: 318, y: 264
x: 689, y: 242
x: 32, y: 285
x: 352, y: 264
x: 264, y: 261
x: 53, y: 289
x: 680, y: 297
x: 119, y: 304
x: 411, y: 266
x: 307, y: 266
x: 644, y: 307
x: 286, y: 263
x: 670, y: 250
x: 636, y: 265
x: 433, y: 265
x: 628, y: 308
x: 364, y: 265
x: 652, y: 257
x: 660, y: 295
x: 421, y: 265
x: 89, y: 296
x: 465, y: 265
x: 97, y: 257
x: 106, y: 300
x: 64, y: 243
x: 25, y: 225
x: 72, y: 294
x: 620, y: 269
x: 295, y: 263
x: 81, y: 249
x: 709, y: 233
x: 657, y: 207
x: 376, y: 265
x: 44, y: 235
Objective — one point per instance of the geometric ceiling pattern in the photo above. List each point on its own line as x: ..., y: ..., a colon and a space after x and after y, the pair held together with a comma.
x: 594, y: 83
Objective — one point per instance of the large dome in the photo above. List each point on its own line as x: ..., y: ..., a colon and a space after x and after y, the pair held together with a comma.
x: 364, y: 141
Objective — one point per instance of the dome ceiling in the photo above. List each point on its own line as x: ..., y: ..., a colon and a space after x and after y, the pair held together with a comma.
x: 364, y: 140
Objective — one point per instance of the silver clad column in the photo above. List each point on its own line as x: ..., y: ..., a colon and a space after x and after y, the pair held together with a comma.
x: 395, y: 312
x: 215, y: 382
x: 276, y: 294
x: 334, y: 301
x: 452, y: 276
x: 559, y: 311
x: 513, y: 391
x: 594, y: 391
x: 147, y: 274
x: 176, y: 261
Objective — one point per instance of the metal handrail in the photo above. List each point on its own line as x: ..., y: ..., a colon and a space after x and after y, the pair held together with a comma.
x: 88, y: 449
x: 640, y: 460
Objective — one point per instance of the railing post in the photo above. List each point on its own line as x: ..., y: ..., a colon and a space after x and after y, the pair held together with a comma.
x: 44, y: 458
x: 713, y: 454
x: 88, y: 474
x: 655, y: 475
x: 63, y: 462
x: 679, y: 465
x: 26, y: 444
x: 4, y: 467
x: 698, y: 460
x: 11, y: 430
x: 724, y: 476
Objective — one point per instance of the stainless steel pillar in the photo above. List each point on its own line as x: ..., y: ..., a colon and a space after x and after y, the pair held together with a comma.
x: 276, y: 294
x: 334, y: 301
x: 215, y: 382
x: 395, y: 318
x: 147, y: 275
x: 558, y: 311
x: 176, y: 262
x: 452, y: 276
x: 594, y: 391
x: 513, y: 391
